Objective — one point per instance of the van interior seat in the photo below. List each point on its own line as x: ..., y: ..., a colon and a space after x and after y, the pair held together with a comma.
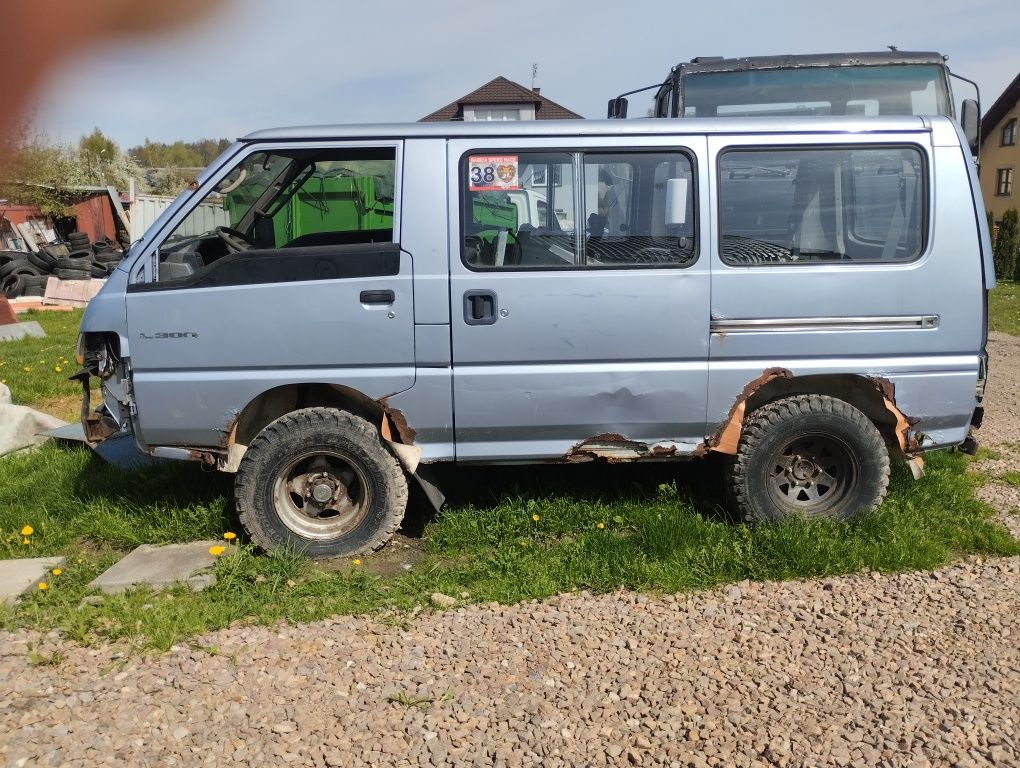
x: 180, y: 264
x: 813, y: 217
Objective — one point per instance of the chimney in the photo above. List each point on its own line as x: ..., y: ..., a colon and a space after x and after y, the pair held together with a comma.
x: 536, y: 91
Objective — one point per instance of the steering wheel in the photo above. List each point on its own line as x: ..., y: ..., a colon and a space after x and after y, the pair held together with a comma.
x: 234, y: 240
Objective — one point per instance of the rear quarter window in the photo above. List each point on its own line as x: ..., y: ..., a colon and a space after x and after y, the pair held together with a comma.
x: 803, y: 205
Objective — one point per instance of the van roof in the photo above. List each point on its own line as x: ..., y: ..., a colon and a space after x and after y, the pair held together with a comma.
x: 643, y: 126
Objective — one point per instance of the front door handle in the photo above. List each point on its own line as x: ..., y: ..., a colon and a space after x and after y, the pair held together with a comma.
x: 377, y: 297
x: 480, y: 307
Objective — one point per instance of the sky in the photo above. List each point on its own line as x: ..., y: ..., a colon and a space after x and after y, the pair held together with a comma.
x: 265, y: 63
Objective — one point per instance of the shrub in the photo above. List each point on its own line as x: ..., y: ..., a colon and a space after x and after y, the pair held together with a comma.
x: 1004, y: 250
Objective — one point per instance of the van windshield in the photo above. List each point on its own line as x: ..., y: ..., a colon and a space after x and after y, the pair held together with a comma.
x: 895, y: 89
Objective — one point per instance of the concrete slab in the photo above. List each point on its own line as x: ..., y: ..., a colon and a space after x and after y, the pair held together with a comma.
x: 21, y: 330
x: 18, y: 576
x: 159, y: 567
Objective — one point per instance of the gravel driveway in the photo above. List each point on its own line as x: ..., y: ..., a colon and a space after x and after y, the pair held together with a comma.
x: 908, y: 670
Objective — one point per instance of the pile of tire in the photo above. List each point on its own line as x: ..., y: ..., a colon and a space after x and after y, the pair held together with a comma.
x: 26, y: 273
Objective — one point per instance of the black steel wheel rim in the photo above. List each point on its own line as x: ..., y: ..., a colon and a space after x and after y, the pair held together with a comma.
x: 813, y: 475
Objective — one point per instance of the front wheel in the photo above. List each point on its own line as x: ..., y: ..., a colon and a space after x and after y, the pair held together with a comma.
x: 322, y: 481
x: 808, y: 456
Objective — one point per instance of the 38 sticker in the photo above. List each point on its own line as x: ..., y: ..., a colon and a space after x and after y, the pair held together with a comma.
x: 492, y: 172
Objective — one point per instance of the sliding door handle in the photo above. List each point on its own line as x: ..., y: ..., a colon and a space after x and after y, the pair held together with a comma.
x: 377, y: 297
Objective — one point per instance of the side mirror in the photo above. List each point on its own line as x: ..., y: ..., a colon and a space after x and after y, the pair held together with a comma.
x: 970, y: 119
x: 676, y: 201
x: 617, y: 108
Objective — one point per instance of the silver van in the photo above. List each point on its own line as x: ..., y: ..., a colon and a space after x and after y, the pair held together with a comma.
x: 334, y: 309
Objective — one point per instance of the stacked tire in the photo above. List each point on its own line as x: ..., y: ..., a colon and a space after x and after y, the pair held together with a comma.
x: 26, y: 274
x: 18, y: 274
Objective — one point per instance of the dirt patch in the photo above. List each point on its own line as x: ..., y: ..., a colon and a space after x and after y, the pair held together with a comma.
x: 396, y: 558
x: 65, y: 407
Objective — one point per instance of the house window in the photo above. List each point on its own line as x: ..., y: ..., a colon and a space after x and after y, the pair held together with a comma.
x: 1009, y: 133
x: 497, y: 114
x: 1004, y: 181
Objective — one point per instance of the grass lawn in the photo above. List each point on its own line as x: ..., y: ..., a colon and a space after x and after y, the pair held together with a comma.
x: 656, y: 528
x: 1004, y: 308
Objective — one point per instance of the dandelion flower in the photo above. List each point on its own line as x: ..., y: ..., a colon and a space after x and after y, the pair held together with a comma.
x: 217, y: 550
x: 536, y: 518
x: 27, y: 369
x: 230, y: 535
x: 25, y: 541
x: 27, y: 530
x: 57, y: 369
x: 355, y: 562
x: 600, y: 526
x: 43, y: 586
x: 56, y: 571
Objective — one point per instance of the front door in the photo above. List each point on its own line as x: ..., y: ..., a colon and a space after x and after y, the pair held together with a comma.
x: 288, y: 273
x: 579, y: 302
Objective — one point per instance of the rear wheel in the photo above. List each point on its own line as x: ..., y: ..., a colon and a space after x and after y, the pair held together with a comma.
x: 808, y: 456
x: 322, y: 481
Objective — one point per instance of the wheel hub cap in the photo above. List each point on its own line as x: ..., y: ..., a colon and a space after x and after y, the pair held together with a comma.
x: 322, y: 491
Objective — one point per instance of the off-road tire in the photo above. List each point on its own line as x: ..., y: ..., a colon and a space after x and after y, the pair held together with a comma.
x: 848, y: 455
x: 306, y: 433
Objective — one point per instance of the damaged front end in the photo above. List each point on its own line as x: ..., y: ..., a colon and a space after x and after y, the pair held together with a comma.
x: 100, y: 358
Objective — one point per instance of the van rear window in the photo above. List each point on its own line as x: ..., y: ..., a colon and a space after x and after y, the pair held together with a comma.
x: 821, y: 204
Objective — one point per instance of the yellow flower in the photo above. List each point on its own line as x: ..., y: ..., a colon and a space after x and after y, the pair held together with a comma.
x: 56, y: 571
x: 217, y: 550
x: 27, y: 530
x: 56, y: 369
x: 230, y: 535
x: 25, y: 541
x: 43, y: 585
x: 535, y: 518
x: 600, y: 526
x: 27, y: 369
x: 355, y: 562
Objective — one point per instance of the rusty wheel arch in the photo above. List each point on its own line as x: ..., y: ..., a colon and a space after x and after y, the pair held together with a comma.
x: 278, y: 401
x: 872, y: 395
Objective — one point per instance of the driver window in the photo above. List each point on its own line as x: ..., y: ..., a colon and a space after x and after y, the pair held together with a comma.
x: 275, y: 202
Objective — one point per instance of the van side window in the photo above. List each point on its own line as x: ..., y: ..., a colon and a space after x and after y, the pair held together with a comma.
x: 276, y: 206
x: 568, y: 210
x: 811, y: 205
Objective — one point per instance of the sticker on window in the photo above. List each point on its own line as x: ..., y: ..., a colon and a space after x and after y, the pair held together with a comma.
x: 487, y: 173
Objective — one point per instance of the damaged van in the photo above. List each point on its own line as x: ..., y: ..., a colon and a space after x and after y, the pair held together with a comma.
x: 334, y: 309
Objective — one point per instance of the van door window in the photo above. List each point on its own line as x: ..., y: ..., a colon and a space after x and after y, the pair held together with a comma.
x: 559, y: 210
x: 809, y: 205
x: 284, y: 204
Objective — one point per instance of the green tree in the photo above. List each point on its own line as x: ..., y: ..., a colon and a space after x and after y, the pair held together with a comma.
x: 98, y: 146
x: 1005, y: 255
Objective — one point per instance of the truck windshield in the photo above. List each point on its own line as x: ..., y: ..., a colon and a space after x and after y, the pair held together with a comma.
x: 897, y: 89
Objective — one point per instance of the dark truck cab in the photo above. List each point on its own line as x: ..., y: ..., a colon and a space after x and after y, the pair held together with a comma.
x: 842, y: 84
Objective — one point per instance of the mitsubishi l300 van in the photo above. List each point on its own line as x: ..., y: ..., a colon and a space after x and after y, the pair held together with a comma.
x: 334, y: 309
